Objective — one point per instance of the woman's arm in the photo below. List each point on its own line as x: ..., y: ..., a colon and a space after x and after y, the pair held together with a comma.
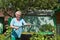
x: 13, y: 27
x: 12, y: 24
x: 28, y: 24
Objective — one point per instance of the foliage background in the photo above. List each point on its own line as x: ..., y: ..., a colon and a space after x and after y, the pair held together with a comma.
x: 25, y: 5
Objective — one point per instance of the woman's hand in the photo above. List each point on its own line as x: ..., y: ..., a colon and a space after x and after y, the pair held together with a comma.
x: 16, y: 28
x: 28, y: 24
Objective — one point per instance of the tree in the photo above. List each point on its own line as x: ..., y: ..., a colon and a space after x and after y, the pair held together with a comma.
x: 25, y: 5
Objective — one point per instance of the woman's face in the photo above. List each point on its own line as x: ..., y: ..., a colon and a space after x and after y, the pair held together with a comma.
x: 18, y: 15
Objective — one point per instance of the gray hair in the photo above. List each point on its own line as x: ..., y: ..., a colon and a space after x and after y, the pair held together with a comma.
x: 18, y: 12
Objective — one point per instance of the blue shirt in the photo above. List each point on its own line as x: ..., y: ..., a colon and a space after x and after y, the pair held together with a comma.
x: 14, y: 22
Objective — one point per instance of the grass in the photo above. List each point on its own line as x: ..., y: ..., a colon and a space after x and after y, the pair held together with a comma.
x: 41, y: 37
x: 34, y: 37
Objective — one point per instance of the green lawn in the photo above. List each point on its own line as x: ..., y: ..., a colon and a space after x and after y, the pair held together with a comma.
x: 34, y: 37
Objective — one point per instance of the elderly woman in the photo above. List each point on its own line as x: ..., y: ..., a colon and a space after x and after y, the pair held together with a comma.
x: 16, y: 25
